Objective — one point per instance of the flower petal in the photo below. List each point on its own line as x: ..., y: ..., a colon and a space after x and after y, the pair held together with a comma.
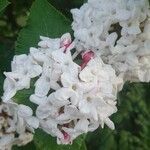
x: 24, y: 111
x: 42, y: 86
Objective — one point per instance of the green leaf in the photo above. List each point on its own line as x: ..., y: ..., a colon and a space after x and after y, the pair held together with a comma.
x: 6, y: 54
x: 65, y: 6
x: 83, y: 146
x: 44, y: 20
x: 44, y: 141
x: 29, y: 146
x: 3, y: 4
x: 1, y: 84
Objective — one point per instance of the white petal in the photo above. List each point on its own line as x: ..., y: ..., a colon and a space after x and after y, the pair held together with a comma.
x: 82, y: 125
x: 39, y: 57
x: 18, y: 62
x: 64, y: 118
x: 9, y: 89
x: 64, y: 93
x: 84, y: 107
x: 111, y: 39
x: 58, y: 99
x: 24, y: 111
x: 132, y: 60
x: 34, y: 50
x: 23, y: 83
x: 38, y: 100
x: 6, y: 140
x: 34, y: 71
x: 134, y: 29
x: 94, y: 113
x: 21, y: 127
x: 93, y: 126
x: 123, y: 14
x: 42, y: 86
x: 86, y: 75
x: 33, y: 122
x: 109, y: 123
x: 24, y: 138
x: 67, y: 80
x: 46, y: 110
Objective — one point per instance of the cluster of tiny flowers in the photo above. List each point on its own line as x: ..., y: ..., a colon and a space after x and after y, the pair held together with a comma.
x: 119, y: 32
x: 71, y: 98
x: 16, y: 125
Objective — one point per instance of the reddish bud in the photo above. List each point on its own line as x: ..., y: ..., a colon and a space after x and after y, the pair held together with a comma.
x: 86, y: 57
x: 66, y: 136
x: 65, y: 43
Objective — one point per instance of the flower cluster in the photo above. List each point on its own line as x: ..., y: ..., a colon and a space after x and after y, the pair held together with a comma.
x: 16, y: 125
x: 86, y: 98
x: 119, y: 32
x: 76, y: 82
x: 71, y: 98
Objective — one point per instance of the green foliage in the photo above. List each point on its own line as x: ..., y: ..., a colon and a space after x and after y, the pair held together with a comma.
x: 3, y: 4
x: 1, y: 84
x: 29, y: 146
x: 6, y: 55
x: 44, y: 20
x: 66, y: 5
x: 13, y: 18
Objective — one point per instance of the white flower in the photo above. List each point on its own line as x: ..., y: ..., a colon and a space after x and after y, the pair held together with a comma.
x: 25, y: 65
x: 23, y: 69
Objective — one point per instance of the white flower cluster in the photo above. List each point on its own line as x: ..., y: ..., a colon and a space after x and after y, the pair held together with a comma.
x: 118, y: 31
x: 112, y: 45
x: 71, y: 99
x: 16, y: 125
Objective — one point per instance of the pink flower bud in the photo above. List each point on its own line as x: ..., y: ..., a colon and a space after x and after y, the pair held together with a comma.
x: 65, y: 43
x: 86, y: 57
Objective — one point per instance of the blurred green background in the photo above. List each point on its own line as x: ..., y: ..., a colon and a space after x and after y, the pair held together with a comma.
x: 132, y: 120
